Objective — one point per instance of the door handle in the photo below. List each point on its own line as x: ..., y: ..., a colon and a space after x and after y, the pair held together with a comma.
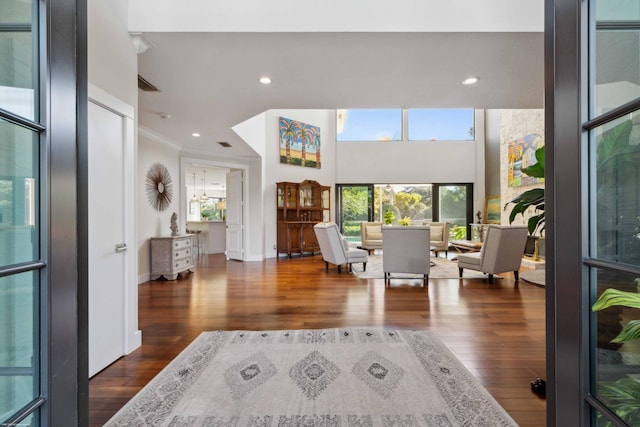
x: 121, y: 247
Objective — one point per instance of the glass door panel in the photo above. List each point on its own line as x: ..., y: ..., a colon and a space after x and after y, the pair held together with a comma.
x: 455, y: 206
x: 355, y: 204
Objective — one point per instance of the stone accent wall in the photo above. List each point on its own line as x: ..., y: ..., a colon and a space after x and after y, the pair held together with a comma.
x: 515, y: 124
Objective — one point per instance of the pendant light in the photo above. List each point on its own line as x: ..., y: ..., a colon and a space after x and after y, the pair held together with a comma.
x: 204, y: 197
x: 194, y: 198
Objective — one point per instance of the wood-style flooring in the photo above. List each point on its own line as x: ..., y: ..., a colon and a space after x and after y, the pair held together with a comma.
x: 496, y: 330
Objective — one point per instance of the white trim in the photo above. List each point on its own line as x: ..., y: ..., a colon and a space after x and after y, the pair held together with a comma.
x: 245, y: 191
x: 98, y: 96
x: 156, y: 137
x: 103, y: 98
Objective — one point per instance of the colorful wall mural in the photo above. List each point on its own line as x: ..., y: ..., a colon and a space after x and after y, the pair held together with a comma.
x: 299, y: 143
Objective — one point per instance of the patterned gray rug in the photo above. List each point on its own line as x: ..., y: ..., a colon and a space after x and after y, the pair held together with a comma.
x: 352, y: 377
x: 442, y: 268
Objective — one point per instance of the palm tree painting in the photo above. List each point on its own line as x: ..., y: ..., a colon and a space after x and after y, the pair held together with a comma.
x: 299, y: 143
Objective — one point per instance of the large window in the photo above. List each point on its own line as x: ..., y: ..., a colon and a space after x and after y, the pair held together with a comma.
x: 404, y: 204
x: 405, y: 125
x: 440, y: 125
x: 369, y: 125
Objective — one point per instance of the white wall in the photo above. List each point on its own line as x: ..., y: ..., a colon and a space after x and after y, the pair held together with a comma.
x: 112, y: 61
x: 152, y: 223
x: 338, y: 15
x: 492, y: 152
x: 277, y: 172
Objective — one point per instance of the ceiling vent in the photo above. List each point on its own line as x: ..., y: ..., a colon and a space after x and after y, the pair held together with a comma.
x: 224, y: 144
x: 145, y: 85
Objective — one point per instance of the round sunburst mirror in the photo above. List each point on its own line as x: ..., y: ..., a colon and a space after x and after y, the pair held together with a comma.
x: 159, y: 187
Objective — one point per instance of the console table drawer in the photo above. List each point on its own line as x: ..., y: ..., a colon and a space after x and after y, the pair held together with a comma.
x: 182, y: 253
x: 181, y: 243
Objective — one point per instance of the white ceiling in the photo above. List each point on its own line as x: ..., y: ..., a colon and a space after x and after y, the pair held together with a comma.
x: 208, y: 82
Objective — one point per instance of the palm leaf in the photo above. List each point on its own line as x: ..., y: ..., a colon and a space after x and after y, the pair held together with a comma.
x: 630, y: 332
x: 612, y: 297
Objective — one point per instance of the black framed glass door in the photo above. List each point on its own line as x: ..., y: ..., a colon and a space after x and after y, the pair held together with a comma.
x: 354, y: 204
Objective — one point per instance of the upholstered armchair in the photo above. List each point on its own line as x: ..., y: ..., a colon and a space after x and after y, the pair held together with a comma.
x: 439, y: 236
x: 371, y: 235
x: 335, y: 249
x: 405, y: 249
x: 501, y: 251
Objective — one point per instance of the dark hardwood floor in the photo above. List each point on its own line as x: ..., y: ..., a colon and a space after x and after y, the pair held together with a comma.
x: 496, y: 330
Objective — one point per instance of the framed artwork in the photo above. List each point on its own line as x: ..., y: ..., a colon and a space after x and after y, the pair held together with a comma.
x: 299, y: 143
x: 522, y: 154
x: 492, y: 210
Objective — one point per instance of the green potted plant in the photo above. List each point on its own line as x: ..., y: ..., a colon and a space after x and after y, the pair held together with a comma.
x: 622, y: 395
x: 404, y: 221
x: 389, y: 217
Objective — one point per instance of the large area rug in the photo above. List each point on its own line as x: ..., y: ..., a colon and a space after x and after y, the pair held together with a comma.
x: 352, y: 377
x: 442, y: 268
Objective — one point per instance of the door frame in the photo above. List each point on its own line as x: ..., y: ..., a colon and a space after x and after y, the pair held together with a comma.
x: 101, y: 98
x: 370, y: 206
x: 185, y: 161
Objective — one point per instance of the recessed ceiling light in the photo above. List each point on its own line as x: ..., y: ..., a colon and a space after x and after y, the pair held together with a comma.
x: 470, y: 81
x: 265, y: 80
x: 195, y: 135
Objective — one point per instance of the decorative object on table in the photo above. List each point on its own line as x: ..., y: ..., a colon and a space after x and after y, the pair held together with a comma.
x: 174, y: 224
x: 159, y: 187
x: 299, y: 143
x: 337, y: 377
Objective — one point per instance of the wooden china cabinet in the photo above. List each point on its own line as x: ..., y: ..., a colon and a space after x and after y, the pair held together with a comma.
x: 300, y: 207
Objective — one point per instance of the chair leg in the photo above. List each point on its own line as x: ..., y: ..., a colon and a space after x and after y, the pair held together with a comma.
x: 490, y: 278
x: 339, y: 269
x: 364, y: 266
x: 425, y: 280
x: 326, y: 265
x: 460, y: 272
x: 515, y: 274
x: 349, y: 268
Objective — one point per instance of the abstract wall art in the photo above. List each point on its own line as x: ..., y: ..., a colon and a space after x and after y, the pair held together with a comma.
x: 299, y: 143
x: 522, y: 154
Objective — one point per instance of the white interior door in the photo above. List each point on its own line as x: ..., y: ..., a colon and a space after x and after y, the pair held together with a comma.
x: 235, y: 214
x: 107, y: 278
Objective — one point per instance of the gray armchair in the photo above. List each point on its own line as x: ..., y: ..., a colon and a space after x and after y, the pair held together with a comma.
x: 501, y: 251
x: 405, y: 249
x: 335, y: 249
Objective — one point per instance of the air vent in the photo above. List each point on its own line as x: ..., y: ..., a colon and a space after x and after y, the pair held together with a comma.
x: 224, y: 144
x: 145, y: 85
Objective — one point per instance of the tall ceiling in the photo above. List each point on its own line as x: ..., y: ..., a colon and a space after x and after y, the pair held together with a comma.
x: 208, y: 82
x: 206, y: 56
